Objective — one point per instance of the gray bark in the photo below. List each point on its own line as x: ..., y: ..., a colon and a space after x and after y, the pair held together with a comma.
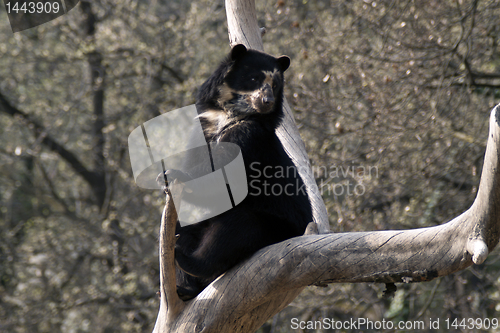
x: 245, y: 297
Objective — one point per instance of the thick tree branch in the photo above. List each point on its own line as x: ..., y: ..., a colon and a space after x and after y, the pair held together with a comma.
x: 246, y: 296
x: 243, y: 298
x: 242, y: 24
x: 48, y: 141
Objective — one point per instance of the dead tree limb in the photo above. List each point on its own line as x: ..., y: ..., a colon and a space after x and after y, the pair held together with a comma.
x: 243, y: 298
x: 170, y: 303
x: 246, y: 296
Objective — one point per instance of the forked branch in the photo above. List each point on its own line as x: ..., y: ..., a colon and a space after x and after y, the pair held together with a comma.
x: 245, y: 297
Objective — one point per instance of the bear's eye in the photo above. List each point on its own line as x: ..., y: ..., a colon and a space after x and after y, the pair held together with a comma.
x: 254, y: 78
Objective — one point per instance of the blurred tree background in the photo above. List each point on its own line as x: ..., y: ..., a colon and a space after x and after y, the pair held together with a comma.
x: 392, y: 99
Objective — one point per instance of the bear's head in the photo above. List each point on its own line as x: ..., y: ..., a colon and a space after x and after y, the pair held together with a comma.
x: 254, y: 82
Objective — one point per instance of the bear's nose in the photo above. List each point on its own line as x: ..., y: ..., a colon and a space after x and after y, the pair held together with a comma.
x: 268, y: 99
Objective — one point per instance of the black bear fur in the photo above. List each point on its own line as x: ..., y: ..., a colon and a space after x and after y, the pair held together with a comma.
x: 242, y: 103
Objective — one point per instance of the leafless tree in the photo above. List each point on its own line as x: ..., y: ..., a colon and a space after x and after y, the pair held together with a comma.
x: 243, y: 298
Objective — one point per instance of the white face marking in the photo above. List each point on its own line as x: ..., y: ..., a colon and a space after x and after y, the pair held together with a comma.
x: 269, y: 76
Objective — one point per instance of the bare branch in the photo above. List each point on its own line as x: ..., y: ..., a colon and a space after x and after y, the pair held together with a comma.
x: 242, y: 24
x: 170, y: 303
x: 245, y: 297
x: 48, y: 141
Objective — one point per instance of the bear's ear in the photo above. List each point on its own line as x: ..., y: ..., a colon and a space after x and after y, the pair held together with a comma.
x: 283, y: 63
x: 238, y: 51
